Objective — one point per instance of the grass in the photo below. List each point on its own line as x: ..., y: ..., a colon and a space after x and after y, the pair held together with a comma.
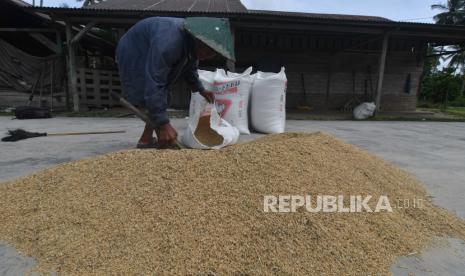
x: 435, y: 116
x: 415, y: 119
x: 457, y: 111
x: 6, y: 114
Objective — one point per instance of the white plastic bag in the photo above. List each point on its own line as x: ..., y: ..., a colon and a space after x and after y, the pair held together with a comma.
x: 268, y: 102
x: 220, y: 132
x: 364, y: 111
x: 232, y: 97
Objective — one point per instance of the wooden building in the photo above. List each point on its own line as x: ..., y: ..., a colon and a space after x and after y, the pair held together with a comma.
x: 32, y: 60
x: 332, y: 61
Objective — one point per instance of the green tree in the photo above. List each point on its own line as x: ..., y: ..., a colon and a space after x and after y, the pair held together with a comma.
x: 452, y: 13
x: 441, y: 87
x: 432, y: 60
x: 456, y: 58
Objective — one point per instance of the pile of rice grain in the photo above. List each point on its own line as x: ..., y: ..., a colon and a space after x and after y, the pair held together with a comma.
x: 195, y: 212
x: 206, y: 135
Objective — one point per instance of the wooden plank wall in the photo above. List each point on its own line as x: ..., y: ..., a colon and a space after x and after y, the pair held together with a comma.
x: 323, y: 74
x: 329, y: 82
x: 95, y: 85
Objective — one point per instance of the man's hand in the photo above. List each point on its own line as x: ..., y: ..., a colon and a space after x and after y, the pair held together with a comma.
x: 167, y: 136
x: 208, y: 95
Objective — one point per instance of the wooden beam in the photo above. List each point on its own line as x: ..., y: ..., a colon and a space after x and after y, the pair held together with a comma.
x: 83, y: 31
x: 104, y: 22
x: 259, y: 26
x: 72, y: 74
x: 46, y: 42
x: 354, y: 47
x: 382, y: 67
x: 28, y: 30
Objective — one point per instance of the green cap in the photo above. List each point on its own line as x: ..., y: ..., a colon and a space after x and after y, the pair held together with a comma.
x: 214, y: 32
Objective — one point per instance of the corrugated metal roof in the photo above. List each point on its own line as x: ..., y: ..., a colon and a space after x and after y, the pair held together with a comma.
x: 248, y: 14
x: 227, y: 6
x: 20, y: 3
x: 172, y: 5
x: 322, y: 16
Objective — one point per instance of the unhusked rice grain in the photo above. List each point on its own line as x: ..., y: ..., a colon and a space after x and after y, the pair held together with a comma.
x: 193, y: 212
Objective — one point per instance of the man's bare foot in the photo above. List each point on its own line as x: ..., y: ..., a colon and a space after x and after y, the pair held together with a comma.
x: 147, y: 136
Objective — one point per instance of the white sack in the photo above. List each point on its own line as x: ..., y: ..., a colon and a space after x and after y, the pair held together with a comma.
x: 207, y: 78
x: 232, y: 97
x: 364, y: 111
x: 268, y: 102
x: 200, y: 107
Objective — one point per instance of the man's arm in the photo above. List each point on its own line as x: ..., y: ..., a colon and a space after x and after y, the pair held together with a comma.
x: 192, y: 78
x: 156, y: 85
x: 157, y: 72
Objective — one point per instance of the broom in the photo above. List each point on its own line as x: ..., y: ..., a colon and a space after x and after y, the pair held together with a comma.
x: 21, y: 134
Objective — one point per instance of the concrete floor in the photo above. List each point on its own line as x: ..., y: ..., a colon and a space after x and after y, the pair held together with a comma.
x: 434, y: 152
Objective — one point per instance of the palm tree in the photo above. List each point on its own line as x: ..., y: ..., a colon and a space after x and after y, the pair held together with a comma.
x: 457, y: 59
x: 453, y: 13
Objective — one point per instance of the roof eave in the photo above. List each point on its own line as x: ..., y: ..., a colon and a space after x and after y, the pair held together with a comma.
x: 455, y: 34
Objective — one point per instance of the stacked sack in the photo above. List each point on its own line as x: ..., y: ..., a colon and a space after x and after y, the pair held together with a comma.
x: 232, y: 93
x: 266, y: 93
x: 268, y: 102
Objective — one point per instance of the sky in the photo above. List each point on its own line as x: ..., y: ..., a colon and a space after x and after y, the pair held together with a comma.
x: 399, y: 10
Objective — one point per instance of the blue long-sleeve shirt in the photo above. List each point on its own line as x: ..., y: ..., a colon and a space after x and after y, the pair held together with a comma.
x: 151, y: 56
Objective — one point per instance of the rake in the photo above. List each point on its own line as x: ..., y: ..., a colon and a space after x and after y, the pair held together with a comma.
x: 21, y: 134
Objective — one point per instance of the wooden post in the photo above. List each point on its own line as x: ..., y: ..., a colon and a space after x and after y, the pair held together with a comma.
x: 72, y: 73
x: 72, y: 78
x: 382, y: 67
x: 59, y: 42
x: 231, y: 65
x: 52, y: 75
x: 329, y: 80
